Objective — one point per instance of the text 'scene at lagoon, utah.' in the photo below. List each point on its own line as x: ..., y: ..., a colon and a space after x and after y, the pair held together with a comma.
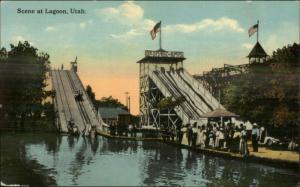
x: 51, y: 11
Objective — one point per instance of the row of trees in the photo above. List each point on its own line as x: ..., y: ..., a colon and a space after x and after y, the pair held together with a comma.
x: 269, y: 93
x: 104, y: 101
x: 23, y: 79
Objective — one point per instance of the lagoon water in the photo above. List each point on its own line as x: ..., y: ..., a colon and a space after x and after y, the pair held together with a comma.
x: 50, y: 159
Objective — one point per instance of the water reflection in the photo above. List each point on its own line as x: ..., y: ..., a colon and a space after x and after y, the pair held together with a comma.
x: 69, y: 160
x: 72, y: 140
x: 118, y: 146
x: 16, y: 168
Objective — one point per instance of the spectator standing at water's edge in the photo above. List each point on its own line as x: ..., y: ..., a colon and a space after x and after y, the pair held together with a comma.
x: 226, y: 136
x: 207, y: 135
x: 184, y: 131
x: 255, y: 137
x: 179, y: 133
x: 243, y: 142
x: 217, y: 140
x: 194, y: 137
x: 236, y: 140
x: 190, y: 134
x: 249, y: 127
x: 211, y: 138
x: 199, y: 136
x: 221, y: 139
x: 262, y: 134
x: 203, y: 137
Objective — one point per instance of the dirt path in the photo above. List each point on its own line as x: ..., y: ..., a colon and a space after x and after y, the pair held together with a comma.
x: 264, y: 152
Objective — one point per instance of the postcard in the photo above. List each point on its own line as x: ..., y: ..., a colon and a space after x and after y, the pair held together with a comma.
x: 149, y: 93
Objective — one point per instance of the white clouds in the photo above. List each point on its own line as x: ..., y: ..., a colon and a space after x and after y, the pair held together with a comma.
x: 84, y: 24
x: 129, y: 34
x: 50, y: 29
x: 148, y: 24
x: 129, y: 14
x: 18, y: 38
x: 132, y: 15
x: 126, y: 12
x: 247, y: 45
x: 143, y: 27
x: 131, y: 11
x: 220, y: 24
x: 108, y: 13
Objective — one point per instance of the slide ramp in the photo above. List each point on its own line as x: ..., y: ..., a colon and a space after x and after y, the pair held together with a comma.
x: 67, y: 85
x: 179, y: 83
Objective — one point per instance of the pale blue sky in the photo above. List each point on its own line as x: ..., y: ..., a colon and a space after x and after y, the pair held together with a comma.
x: 112, y: 36
x: 102, y: 35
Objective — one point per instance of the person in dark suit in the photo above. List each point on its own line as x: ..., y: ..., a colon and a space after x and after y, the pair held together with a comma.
x: 190, y: 134
x: 255, y: 137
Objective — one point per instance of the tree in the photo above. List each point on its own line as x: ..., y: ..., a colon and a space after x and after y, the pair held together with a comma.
x: 3, y: 55
x: 104, y: 101
x: 110, y: 102
x: 91, y: 94
x: 268, y: 93
x: 24, y: 72
x: 170, y: 102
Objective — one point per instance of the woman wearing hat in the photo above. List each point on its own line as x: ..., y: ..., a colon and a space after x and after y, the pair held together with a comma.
x: 255, y: 137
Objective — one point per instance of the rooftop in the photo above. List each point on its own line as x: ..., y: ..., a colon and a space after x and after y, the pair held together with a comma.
x: 162, y: 56
x: 111, y: 112
x: 257, y: 52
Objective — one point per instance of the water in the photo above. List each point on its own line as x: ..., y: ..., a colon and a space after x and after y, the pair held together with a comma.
x: 49, y: 159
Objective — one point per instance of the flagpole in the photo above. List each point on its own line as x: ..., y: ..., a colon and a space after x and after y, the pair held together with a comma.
x: 160, y: 36
x: 257, y: 31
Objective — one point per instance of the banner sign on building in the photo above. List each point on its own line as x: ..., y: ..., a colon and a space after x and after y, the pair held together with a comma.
x: 174, y: 54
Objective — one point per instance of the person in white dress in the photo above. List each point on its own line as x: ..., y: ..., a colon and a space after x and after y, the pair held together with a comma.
x: 199, y: 136
x: 217, y: 137
x: 184, y: 136
x: 221, y: 138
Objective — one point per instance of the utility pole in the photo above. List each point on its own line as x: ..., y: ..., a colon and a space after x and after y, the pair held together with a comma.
x: 126, y: 99
x: 219, y: 97
x: 129, y: 104
x: 160, y: 47
x: 257, y: 30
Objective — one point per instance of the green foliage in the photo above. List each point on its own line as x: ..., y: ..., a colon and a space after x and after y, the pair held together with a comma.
x: 24, y: 73
x: 3, y: 54
x: 104, y: 101
x: 268, y: 93
x: 91, y: 94
x: 170, y: 102
x: 109, y: 102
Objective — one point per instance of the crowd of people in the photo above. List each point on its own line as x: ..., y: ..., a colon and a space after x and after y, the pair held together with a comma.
x: 229, y: 137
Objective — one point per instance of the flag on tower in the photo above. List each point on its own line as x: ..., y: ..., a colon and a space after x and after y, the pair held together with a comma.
x: 155, y: 30
x: 253, y: 30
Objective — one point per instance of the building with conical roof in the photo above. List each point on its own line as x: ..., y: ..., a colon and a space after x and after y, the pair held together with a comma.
x: 257, y: 54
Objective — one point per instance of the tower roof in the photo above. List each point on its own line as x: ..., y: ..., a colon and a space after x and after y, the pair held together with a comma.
x: 257, y: 52
x: 162, y: 56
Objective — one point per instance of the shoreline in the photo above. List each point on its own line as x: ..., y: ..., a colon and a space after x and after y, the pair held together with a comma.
x: 278, y: 163
x: 274, y: 162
